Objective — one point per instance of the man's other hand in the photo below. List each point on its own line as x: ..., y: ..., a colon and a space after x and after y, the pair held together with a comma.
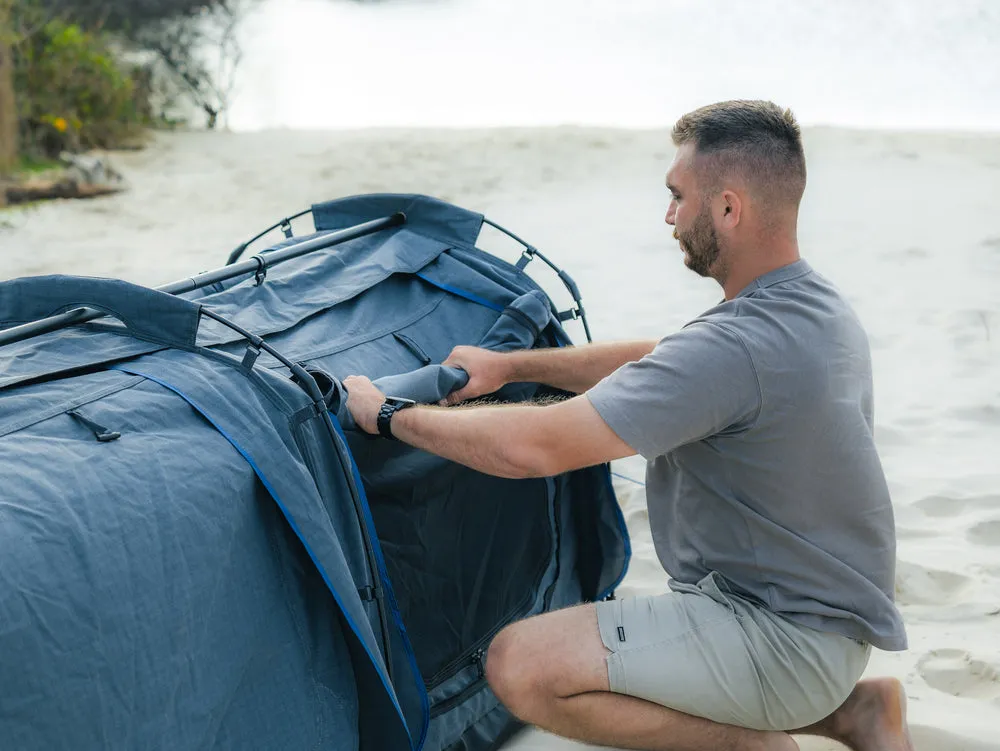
x: 488, y: 371
x: 363, y: 402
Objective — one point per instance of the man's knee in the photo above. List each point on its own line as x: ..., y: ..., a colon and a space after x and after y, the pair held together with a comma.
x: 511, y: 676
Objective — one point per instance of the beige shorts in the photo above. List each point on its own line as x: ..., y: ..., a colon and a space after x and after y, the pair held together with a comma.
x: 712, y: 654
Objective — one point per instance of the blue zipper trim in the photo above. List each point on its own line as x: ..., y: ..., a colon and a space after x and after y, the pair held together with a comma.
x: 462, y: 293
x: 630, y: 479
x: 606, y: 471
x: 292, y: 524
x: 387, y: 584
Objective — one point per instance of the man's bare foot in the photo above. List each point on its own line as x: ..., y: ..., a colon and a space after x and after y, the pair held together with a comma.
x: 872, y: 719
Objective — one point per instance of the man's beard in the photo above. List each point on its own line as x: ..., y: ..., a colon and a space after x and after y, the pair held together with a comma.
x: 701, y: 244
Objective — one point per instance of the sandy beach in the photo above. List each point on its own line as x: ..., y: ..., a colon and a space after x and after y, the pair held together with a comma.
x: 906, y: 224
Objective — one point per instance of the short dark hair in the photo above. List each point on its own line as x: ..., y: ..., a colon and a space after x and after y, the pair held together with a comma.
x: 755, y: 139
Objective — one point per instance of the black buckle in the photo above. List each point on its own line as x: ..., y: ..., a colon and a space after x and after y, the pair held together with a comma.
x: 250, y: 356
x: 261, y: 273
x: 101, y: 433
x: 526, y: 257
x: 569, y: 315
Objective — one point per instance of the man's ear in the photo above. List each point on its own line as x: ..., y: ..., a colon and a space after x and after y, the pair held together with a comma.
x: 731, y: 209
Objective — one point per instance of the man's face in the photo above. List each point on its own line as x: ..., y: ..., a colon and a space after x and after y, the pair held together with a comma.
x: 690, y: 215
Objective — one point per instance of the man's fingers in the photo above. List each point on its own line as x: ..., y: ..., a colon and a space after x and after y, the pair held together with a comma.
x: 456, y: 397
x: 354, y: 379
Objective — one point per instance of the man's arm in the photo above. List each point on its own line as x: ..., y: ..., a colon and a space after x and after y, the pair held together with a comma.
x: 503, y: 440
x: 573, y: 369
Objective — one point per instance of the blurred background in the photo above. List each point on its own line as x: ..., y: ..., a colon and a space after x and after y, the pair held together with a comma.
x: 623, y: 63
x: 79, y: 74
x: 198, y: 123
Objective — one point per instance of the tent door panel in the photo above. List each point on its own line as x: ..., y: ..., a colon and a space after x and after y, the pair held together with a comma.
x: 467, y: 554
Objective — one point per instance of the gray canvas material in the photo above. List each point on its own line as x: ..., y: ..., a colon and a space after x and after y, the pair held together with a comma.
x: 756, y: 421
x: 202, y: 578
x: 133, y: 584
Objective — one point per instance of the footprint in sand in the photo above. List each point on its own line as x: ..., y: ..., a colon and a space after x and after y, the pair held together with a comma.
x: 984, y: 414
x: 956, y: 672
x: 985, y: 532
x: 919, y: 585
x: 906, y: 254
x: 940, y: 505
x: 886, y: 437
x: 946, y: 505
x: 913, y: 533
x: 936, y: 739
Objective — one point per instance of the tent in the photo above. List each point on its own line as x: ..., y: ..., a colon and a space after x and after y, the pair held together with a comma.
x: 199, y: 550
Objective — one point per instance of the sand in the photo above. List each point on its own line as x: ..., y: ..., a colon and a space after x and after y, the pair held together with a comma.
x: 906, y: 224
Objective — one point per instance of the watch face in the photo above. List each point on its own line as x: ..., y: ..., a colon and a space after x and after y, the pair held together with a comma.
x: 398, y: 401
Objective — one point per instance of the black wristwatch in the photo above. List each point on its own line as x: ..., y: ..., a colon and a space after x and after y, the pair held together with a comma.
x: 390, y: 406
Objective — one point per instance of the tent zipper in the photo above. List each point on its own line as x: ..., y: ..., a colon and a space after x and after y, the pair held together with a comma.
x: 477, y: 660
x: 523, y: 318
x: 101, y: 433
x: 413, y: 347
x: 458, y: 665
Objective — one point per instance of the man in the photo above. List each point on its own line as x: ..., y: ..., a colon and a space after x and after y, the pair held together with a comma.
x: 767, y: 501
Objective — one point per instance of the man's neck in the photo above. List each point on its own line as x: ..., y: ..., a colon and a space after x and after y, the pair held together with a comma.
x: 755, y: 263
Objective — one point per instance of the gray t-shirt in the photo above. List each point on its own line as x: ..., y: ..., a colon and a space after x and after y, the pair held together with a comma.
x: 756, y: 421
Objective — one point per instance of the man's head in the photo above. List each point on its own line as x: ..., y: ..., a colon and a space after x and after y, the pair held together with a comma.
x: 736, y: 183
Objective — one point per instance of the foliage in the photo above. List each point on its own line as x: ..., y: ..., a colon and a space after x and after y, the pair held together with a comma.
x: 194, y: 40
x: 199, y: 53
x: 34, y: 165
x: 72, y: 92
x: 126, y: 16
x: 69, y: 84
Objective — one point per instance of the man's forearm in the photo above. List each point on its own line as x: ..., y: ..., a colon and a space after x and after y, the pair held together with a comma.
x: 496, y: 440
x: 575, y: 369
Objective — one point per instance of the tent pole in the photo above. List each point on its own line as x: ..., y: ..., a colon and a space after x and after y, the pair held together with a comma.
x: 258, y: 264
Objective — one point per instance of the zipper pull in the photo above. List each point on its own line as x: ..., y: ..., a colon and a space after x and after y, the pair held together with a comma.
x: 100, y: 432
x: 479, y: 661
x: 414, y: 348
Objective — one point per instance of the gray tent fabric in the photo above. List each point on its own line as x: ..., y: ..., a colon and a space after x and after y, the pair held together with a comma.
x: 148, y: 314
x: 197, y: 553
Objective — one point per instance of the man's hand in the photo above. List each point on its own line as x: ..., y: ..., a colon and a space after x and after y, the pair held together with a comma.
x: 364, y: 402
x: 488, y: 371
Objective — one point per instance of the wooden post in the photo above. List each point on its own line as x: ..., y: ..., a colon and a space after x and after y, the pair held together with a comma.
x: 8, y: 104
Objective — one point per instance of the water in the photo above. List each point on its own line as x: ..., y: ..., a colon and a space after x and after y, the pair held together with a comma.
x: 920, y: 64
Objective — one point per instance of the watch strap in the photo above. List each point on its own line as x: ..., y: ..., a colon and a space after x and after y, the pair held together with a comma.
x: 384, y: 419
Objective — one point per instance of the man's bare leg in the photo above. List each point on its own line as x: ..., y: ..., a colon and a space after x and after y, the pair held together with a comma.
x: 872, y: 719
x: 551, y: 671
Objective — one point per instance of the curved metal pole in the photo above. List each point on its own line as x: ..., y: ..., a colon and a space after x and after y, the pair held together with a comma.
x: 286, y: 222
x: 530, y: 251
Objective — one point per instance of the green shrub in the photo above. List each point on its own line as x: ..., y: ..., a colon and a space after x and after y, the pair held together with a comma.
x: 72, y: 92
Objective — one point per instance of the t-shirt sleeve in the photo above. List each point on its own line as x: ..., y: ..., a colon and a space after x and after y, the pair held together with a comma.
x: 694, y: 384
